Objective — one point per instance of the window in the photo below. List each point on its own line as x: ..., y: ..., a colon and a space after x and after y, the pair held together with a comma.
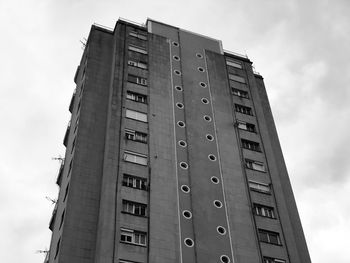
x: 243, y: 109
x: 235, y: 64
x: 240, y: 93
x: 62, y: 218
x: 273, y: 260
x: 136, y: 115
x: 136, y: 97
x: 133, y: 237
x: 250, y: 145
x: 134, y: 182
x: 236, y: 78
x: 138, y: 35
x: 137, y: 49
x: 135, y: 158
x: 255, y: 165
x: 135, y: 136
x: 269, y: 237
x: 246, y: 126
x: 66, y: 193
x: 137, y: 80
x: 57, y: 248
x: 262, y: 210
x: 138, y: 64
x: 260, y: 187
x: 134, y: 208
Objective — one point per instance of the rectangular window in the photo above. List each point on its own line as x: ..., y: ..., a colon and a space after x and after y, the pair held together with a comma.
x: 240, y: 93
x: 57, y: 248
x: 136, y: 115
x: 133, y: 236
x: 134, y: 182
x: 135, y: 158
x: 235, y: 64
x: 136, y: 97
x: 137, y: 64
x: 236, y: 78
x: 273, y: 260
x: 138, y: 35
x: 137, y: 49
x: 255, y: 165
x: 265, y: 211
x: 269, y: 237
x: 134, y: 208
x: 243, y: 109
x: 246, y: 126
x: 137, y: 80
x: 250, y: 145
x: 259, y: 187
x: 135, y: 136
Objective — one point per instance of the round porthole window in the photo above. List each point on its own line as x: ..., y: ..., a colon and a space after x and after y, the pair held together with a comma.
x: 212, y: 157
x: 205, y: 101
x: 217, y: 203
x: 210, y: 137
x: 221, y: 230
x: 202, y: 84
x: 182, y: 143
x: 225, y: 259
x: 185, y: 188
x: 214, y: 179
x: 189, y: 242
x: 207, y: 118
x: 178, y: 88
x: 176, y: 58
x: 199, y: 55
x: 179, y: 105
x: 201, y: 69
x: 184, y: 165
x: 181, y: 124
x: 187, y: 214
x: 177, y: 72
x: 175, y: 44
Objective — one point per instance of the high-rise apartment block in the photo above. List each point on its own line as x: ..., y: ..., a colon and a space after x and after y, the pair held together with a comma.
x: 172, y: 156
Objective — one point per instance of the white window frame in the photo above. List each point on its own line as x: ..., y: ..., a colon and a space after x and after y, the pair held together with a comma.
x: 234, y: 63
x: 240, y: 93
x: 134, y: 208
x: 137, y: 35
x: 137, y: 64
x: 255, y: 165
x: 136, y: 115
x: 265, y: 211
x: 236, y: 78
x: 137, y: 49
x: 135, y: 158
x: 135, y: 136
x: 137, y: 97
x: 137, y: 237
x: 244, y: 109
x: 260, y: 187
x: 134, y: 182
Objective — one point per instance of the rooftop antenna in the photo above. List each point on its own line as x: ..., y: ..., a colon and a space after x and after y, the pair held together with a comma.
x: 53, y: 201
x: 83, y: 43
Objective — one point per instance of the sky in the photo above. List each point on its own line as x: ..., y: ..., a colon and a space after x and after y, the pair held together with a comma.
x: 301, y: 48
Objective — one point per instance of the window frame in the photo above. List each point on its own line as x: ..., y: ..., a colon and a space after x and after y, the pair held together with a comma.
x: 134, y: 235
x: 268, y: 237
x: 137, y: 49
x: 234, y: 63
x: 237, y: 78
x: 136, y: 136
x: 136, y: 115
x: 243, y: 109
x: 264, y: 211
x: 135, y: 181
x: 249, y: 164
x: 136, y: 156
x: 249, y: 127
x: 137, y: 35
x: 134, y: 208
x: 259, y: 187
x: 137, y: 80
x: 137, y: 97
x: 138, y: 64
x: 250, y: 145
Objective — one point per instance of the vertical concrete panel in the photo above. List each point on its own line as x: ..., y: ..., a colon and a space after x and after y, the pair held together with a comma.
x: 163, y: 221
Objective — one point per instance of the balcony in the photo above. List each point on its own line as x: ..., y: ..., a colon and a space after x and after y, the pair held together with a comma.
x: 59, y: 176
x: 66, y: 135
x: 53, y: 218
x: 71, y: 104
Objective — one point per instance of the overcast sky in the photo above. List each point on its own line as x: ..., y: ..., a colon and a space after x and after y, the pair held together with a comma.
x: 301, y: 48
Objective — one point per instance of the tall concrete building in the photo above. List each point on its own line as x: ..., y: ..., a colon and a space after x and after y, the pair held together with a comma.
x: 172, y: 156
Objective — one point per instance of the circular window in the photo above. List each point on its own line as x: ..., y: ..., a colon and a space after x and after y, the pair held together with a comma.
x: 212, y: 157
x: 181, y: 124
x: 218, y: 203
x: 205, y: 101
x: 183, y: 165
x: 210, y: 137
x: 225, y: 259
x: 179, y: 105
x: 178, y: 88
x: 176, y: 58
x: 214, y: 179
x: 182, y: 143
x: 199, y: 55
x: 207, y: 118
x: 177, y: 72
x: 189, y: 242
x: 201, y: 69
x: 202, y: 84
x: 221, y: 230
x: 187, y: 214
x: 185, y: 188
x: 175, y: 44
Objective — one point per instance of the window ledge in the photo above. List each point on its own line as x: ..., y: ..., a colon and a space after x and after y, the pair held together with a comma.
x: 134, y: 244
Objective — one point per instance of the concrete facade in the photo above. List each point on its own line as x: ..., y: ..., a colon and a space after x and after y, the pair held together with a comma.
x: 172, y: 156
